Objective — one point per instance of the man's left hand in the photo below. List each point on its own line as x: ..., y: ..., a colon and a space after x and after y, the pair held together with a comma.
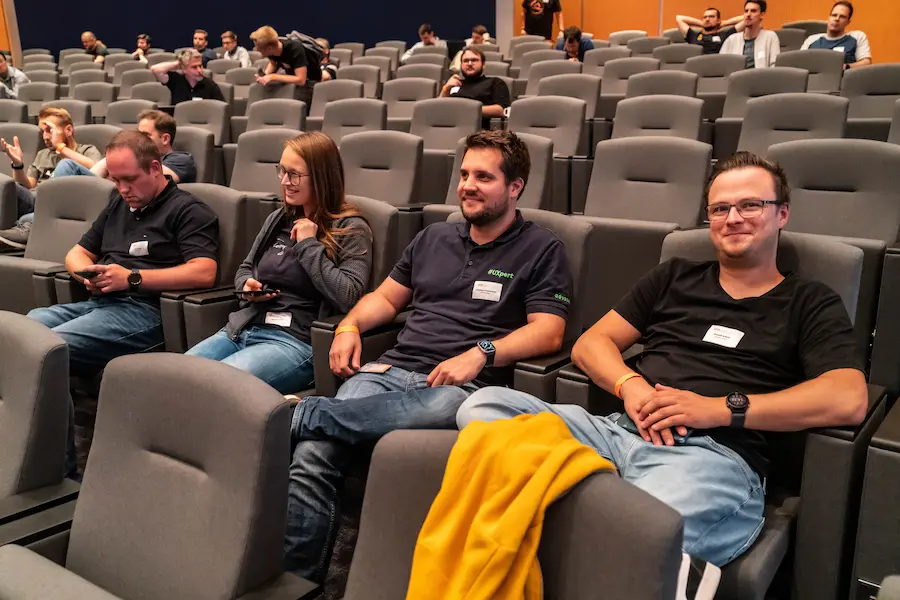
x: 264, y: 80
x: 111, y: 278
x: 669, y: 407
x: 459, y: 369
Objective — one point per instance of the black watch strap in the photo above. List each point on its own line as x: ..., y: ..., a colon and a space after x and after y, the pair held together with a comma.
x: 16, y: 167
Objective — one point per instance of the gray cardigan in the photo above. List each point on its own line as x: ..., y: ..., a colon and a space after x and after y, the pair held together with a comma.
x: 342, y: 284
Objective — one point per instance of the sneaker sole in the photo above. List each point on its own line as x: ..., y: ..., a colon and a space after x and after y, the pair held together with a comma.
x: 11, y: 243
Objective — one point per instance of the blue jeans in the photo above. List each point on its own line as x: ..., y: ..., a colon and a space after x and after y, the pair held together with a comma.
x: 68, y: 168
x: 719, y: 496
x: 367, y: 406
x: 103, y: 328
x: 273, y: 355
x: 24, y: 203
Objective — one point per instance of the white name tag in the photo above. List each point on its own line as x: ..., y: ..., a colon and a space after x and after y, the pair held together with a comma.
x: 487, y: 290
x: 717, y: 38
x: 761, y: 54
x: 838, y: 49
x: 139, y: 248
x: 454, y: 89
x: 280, y: 319
x: 723, y: 336
x: 196, y: 98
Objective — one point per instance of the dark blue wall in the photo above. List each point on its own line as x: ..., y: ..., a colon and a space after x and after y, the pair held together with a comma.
x: 57, y: 24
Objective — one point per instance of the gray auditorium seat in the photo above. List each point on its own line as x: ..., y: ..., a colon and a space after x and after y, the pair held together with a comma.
x: 810, y: 27
x: 343, y: 117
x: 79, y: 77
x: 393, y: 53
x: 658, y: 115
x: 199, y: 143
x: 544, y: 69
x: 356, y: 48
x: 328, y: 91
x: 97, y: 135
x: 621, y: 38
x: 496, y: 68
x: 674, y: 56
x: 124, y: 113
x: 674, y: 34
x: 124, y: 68
x: 644, y: 46
x: 241, y: 79
x: 713, y: 70
x: 369, y: 75
x: 790, y: 39
x: 79, y: 110
x: 429, y: 59
x: 152, y: 91
x: 894, y: 133
x: 43, y: 76
x: 270, y: 113
x: 779, y: 118
x: 872, y: 93
x: 254, y: 166
x: 36, y: 94
x: 13, y: 111
x: 616, y: 73
x: 673, y: 83
x: 98, y: 95
x: 109, y: 65
x: 433, y: 72
x: 212, y: 115
x: 401, y: 96
x: 220, y: 67
x: 826, y: 67
x: 382, y: 63
x: 383, y: 165
x: 526, y: 60
x: 30, y: 139
x: 342, y: 55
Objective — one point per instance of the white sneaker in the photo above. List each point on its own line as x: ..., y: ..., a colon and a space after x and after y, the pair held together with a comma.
x: 697, y: 579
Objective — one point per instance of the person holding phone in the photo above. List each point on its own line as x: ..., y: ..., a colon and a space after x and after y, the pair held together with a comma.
x: 492, y: 92
x: 312, y: 258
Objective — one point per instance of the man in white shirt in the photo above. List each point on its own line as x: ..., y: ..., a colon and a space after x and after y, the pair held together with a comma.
x: 759, y: 46
x: 854, y: 44
x: 480, y: 35
x: 11, y: 79
x: 235, y: 52
x: 426, y: 38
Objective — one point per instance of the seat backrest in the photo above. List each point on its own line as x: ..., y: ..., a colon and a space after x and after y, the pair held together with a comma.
x: 66, y: 62
x: 98, y: 95
x: 894, y: 133
x: 495, y: 68
x: 79, y: 110
x: 441, y: 122
x: 558, y: 118
x: 257, y: 92
x: 790, y: 40
x: 617, y: 71
x: 400, y: 45
x: 36, y: 52
x: 232, y: 207
x: 517, y: 51
x: 257, y: 153
x: 872, y: 91
x: 674, y: 56
x: 438, y: 50
x: 429, y: 59
x: 779, y: 118
x: 98, y: 136
x: 388, y: 52
x: 673, y: 83
x: 79, y: 77
x: 212, y: 115
x: 714, y: 71
x: 369, y: 75
x: 34, y: 412
x: 548, y: 68
x: 199, y: 143
x: 64, y: 210
x: 644, y: 46
x: 124, y: 113
x: 382, y: 63
x: 384, y: 221
x: 126, y: 80
x: 343, y: 55
x: 658, y: 115
x: 13, y: 111
x: 649, y: 179
x: 109, y: 65
x: 231, y: 466
x: 581, y: 86
x: 154, y: 92
x: 433, y: 72
x: 674, y: 34
x: 84, y: 66
x: 535, y: 56
x: 161, y: 57
x: 241, y: 79
x: 401, y: 95
x: 44, y: 76
x: 810, y: 27
x: 329, y: 91
x: 383, y: 165
x: 843, y: 187
x: 343, y: 117
x: 30, y: 139
x: 276, y: 113
x: 753, y: 83
x: 220, y: 66
x: 36, y: 94
x: 355, y: 48
x: 621, y: 38
x: 825, y: 67
x: 67, y: 51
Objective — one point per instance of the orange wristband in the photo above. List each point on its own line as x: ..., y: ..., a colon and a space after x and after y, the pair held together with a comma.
x: 60, y: 147
x: 622, y: 381
x: 345, y: 329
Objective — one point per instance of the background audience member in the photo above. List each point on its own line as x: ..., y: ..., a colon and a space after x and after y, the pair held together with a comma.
x: 492, y: 92
x: 233, y: 51
x: 201, y: 45
x: 854, y: 44
x: 574, y: 44
x: 185, y: 79
x: 10, y: 79
x: 329, y: 69
x: 312, y: 257
x: 426, y: 38
x: 59, y: 141
x: 709, y: 32
x: 289, y: 55
x: 94, y: 47
x: 539, y: 17
x: 143, y: 48
x: 480, y: 35
x: 759, y: 46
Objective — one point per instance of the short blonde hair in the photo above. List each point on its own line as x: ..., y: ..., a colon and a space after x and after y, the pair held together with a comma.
x: 62, y: 116
x: 264, y: 36
x: 324, y: 43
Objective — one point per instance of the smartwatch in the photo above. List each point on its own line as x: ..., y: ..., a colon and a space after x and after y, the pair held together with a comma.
x: 738, y: 404
x: 16, y: 167
x: 489, y: 352
x: 134, y: 280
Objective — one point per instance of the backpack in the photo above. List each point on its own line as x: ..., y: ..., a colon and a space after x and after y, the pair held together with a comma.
x: 315, y: 53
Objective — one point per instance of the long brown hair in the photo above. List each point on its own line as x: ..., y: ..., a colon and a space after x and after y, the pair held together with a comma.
x: 326, y: 178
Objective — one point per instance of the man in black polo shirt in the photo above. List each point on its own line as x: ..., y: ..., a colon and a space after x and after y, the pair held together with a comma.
x: 290, y: 56
x: 492, y: 92
x: 732, y: 348
x: 189, y: 83
x: 709, y: 31
x: 484, y: 294
x: 150, y: 238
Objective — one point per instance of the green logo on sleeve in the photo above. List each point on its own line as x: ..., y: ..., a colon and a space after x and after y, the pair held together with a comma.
x: 563, y: 298
x: 500, y: 274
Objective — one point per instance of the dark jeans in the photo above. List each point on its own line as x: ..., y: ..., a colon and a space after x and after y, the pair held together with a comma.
x: 25, y: 200
x: 367, y: 406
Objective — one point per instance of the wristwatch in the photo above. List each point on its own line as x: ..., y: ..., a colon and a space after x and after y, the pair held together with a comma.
x: 16, y: 167
x: 489, y: 352
x: 134, y: 280
x: 738, y: 404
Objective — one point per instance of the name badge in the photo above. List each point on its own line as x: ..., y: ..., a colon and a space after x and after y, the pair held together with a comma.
x: 374, y: 368
x: 196, y: 98
x: 723, y: 336
x: 838, y: 49
x: 454, y: 89
x: 761, y: 54
x: 717, y: 38
x: 139, y: 248
x: 279, y: 319
x: 487, y: 290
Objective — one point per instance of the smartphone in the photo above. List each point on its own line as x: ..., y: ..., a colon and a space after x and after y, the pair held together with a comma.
x: 87, y: 274
x: 261, y: 72
x: 254, y: 292
x: 625, y: 422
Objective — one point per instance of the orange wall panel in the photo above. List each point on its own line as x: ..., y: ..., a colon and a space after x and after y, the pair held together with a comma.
x: 602, y: 17
x: 4, y: 29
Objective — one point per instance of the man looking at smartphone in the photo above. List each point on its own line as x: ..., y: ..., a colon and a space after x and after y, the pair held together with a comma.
x: 492, y: 92
x: 732, y: 348
x: 59, y: 141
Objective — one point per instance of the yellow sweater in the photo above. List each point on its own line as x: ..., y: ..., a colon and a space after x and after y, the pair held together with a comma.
x: 481, y: 536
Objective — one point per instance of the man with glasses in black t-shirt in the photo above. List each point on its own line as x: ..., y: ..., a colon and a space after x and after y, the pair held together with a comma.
x: 732, y: 348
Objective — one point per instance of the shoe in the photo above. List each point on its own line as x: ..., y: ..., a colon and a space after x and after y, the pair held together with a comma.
x: 697, y: 579
x: 17, y: 236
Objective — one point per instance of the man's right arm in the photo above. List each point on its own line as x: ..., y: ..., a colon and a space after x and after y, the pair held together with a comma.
x: 379, y: 307
x: 161, y: 71
x: 77, y: 259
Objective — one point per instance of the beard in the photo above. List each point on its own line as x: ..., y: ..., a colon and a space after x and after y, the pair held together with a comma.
x: 488, y: 214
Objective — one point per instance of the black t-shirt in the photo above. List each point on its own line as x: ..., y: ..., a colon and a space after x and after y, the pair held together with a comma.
x: 293, y: 56
x: 795, y: 332
x: 463, y: 293
x: 711, y: 42
x: 541, y: 24
x: 98, y: 50
x: 173, y: 229
x: 487, y: 90
x: 206, y: 89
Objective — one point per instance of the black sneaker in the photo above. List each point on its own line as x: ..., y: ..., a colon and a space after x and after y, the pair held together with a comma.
x: 17, y: 236
x: 697, y: 579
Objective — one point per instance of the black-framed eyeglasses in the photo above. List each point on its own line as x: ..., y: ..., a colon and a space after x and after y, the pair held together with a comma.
x: 749, y: 208
x: 293, y: 176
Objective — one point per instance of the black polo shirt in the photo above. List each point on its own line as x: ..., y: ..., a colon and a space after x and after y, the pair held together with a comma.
x: 173, y: 229
x: 206, y: 89
x: 293, y: 56
x: 487, y: 90
x: 463, y: 293
x: 711, y: 42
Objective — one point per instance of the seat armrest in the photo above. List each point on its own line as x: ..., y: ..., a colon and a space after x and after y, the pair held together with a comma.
x: 39, y: 525
x: 286, y: 587
x: 542, y: 365
x: 182, y: 294
x: 537, y: 376
x: 50, y: 270
x: 211, y: 296
x: 875, y: 414
x: 27, y: 503
x: 414, y: 207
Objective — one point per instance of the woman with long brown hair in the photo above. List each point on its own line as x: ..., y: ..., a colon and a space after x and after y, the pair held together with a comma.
x: 312, y: 258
